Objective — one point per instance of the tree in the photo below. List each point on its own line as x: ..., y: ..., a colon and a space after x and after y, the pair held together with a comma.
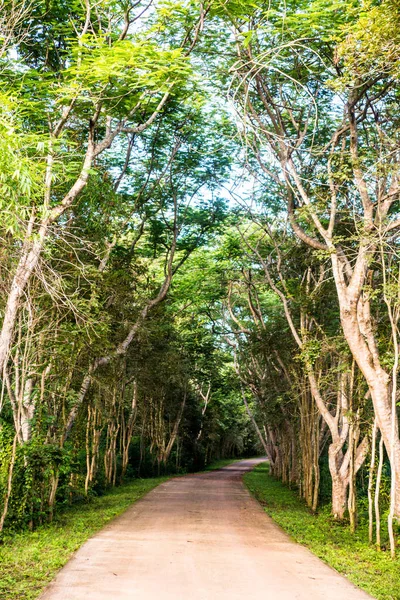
x: 324, y: 136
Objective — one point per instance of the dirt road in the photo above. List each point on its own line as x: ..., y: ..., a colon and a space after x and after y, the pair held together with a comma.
x: 199, y: 537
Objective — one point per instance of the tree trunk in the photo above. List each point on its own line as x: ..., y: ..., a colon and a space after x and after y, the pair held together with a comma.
x: 357, y: 327
x: 9, y: 483
x: 53, y: 493
x: 256, y: 427
x: 339, y: 482
x: 339, y: 497
x: 380, y: 395
x: 371, y: 483
x: 377, y: 492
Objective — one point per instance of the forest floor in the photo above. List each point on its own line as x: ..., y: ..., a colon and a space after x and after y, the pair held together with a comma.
x: 201, y: 536
x: 349, y: 554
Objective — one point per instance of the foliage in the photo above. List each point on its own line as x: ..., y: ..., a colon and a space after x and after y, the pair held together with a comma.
x: 149, y: 325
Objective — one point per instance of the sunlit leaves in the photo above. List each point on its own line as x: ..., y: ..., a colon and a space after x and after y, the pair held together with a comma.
x: 21, y: 167
x: 372, y: 45
x: 127, y: 71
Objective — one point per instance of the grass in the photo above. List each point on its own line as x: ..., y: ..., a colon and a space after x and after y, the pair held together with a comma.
x: 30, y: 560
x: 351, y: 555
x: 222, y: 462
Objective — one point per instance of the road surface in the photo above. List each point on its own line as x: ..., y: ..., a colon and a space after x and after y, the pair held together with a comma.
x: 198, y: 537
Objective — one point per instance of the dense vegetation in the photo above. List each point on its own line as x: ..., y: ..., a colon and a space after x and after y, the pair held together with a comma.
x: 199, y: 248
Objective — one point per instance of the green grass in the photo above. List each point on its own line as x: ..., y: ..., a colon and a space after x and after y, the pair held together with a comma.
x: 351, y: 555
x: 29, y: 560
x: 222, y: 462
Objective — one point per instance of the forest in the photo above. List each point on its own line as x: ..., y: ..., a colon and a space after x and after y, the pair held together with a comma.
x: 199, y: 255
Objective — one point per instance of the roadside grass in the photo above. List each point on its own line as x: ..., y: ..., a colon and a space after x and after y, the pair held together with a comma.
x: 30, y: 560
x: 373, y: 571
x: 222, y: 462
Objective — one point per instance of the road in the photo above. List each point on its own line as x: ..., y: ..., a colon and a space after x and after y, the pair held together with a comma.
x: 198, y: 537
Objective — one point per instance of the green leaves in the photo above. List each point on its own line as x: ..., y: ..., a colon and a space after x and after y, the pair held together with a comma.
x: 21, y: 167
x: 235, y: 9
x: 126, y: 67
x: 372, y: 44
x: 321, y: 18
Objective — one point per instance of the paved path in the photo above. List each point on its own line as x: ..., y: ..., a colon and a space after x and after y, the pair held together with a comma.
x: 199, y: 537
